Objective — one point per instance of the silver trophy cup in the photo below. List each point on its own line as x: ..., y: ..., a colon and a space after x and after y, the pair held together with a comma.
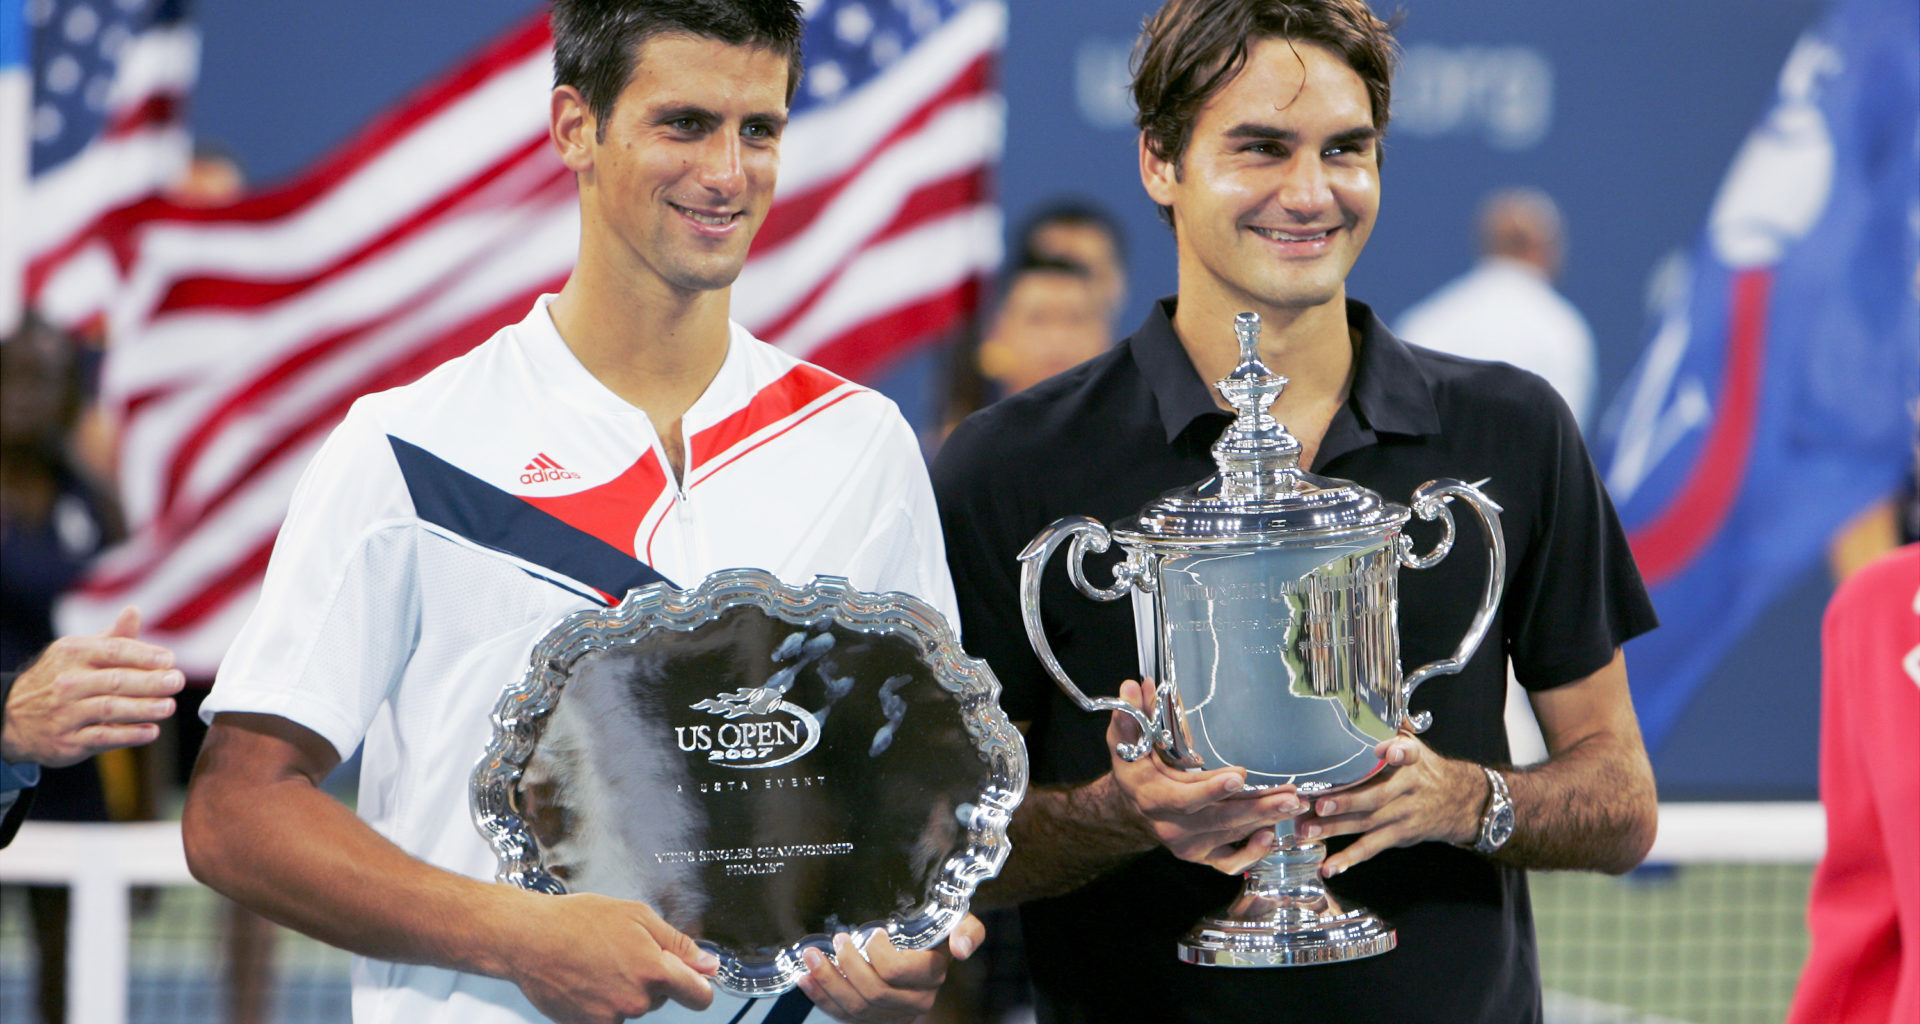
x: 1264, y: 609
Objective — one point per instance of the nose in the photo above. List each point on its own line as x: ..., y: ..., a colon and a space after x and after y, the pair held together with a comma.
x: 719, y: 169
x: 1305, y: 191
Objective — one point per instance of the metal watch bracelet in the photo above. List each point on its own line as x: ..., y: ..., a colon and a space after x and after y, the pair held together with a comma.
x: 1496, y: 822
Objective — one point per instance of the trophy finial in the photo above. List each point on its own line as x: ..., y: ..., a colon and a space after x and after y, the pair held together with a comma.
x: 1256, y: 456
x: 1247, y: 327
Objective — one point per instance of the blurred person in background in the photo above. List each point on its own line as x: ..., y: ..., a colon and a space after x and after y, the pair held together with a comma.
x: 1070, y: 235
x: 55, y: 517
x: 1881, y: 527
x: 1051, y: 319
x: 213, y: 179
x: 1863, y: 913
x: 1506, y: 309
x: 1080, y: 232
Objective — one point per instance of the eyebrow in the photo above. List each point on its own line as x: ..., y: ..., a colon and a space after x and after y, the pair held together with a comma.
x: 1265, y: 132
x: 675, y: 112
x: 665, y: 115
x: 776, y: 120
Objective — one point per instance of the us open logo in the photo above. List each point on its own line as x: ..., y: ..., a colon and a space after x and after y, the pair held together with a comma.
x: 761, y: 730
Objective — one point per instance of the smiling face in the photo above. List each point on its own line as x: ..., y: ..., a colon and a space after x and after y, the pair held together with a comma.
x: 1279, y: 187
x: 678, y: 180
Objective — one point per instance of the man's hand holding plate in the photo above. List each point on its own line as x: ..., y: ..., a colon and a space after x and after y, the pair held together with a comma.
x: 607, y: 960
x: 880, y: 984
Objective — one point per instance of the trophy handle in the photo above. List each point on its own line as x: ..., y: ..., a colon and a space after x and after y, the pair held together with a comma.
x: 1430, y: 501
x: 1087, y: 535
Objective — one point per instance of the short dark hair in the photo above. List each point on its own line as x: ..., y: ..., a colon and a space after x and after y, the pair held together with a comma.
x: 1190, y: 49
x: 1029, y: 266
x: 595, y: 42
x: 1075, y: 212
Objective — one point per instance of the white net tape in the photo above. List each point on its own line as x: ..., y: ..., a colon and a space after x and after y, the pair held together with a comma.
x: 1711, y: 931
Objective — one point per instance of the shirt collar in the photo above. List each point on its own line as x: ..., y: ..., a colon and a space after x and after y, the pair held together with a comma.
x: 1390, y: 392
x: 1179, y: 393
x: 552, y: 364
x: 1389, y: 395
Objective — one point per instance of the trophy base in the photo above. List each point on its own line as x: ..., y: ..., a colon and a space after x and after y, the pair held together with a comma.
x: 1286, y: 917
x: 1286, y: 941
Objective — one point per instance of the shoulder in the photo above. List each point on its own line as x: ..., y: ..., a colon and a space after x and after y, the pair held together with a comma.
x: 465, y: 409
x: 1888, y: 587
x: 778, y: 378
x: 1508, y: 424
x: 841, y: 424
x: 466, y: 381
x: 1477, y: 392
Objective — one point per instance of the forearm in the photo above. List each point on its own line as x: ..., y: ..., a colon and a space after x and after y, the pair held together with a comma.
x: 293, y: 854
x: 1064, y: 837
x: 1590, y: 807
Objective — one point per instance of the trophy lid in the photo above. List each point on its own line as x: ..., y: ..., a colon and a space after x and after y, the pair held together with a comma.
x: 1260, y: 493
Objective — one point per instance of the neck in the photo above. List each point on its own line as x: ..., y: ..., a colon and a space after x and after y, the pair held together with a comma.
x: 657, y: 347
x: 1311, y: 347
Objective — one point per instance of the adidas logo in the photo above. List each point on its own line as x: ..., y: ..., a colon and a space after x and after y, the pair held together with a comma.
x: 543, y: 469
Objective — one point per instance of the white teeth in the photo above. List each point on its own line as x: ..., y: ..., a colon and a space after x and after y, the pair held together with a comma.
x: 718, y: 220
x: 1281, y: 236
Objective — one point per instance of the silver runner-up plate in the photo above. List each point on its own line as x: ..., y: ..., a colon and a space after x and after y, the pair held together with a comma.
x: 765, y: 765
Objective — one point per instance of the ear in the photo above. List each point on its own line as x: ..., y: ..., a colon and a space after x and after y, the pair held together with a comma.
x: 1157, y: 175
x: 572, y: 127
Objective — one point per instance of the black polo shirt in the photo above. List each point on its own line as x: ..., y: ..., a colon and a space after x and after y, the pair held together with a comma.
x: 1106, y: 438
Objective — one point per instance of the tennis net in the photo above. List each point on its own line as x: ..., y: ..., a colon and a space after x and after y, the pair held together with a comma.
x: 1711, y: 931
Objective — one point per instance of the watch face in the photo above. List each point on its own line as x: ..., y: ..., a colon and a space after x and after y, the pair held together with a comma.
x: 1501, y: 827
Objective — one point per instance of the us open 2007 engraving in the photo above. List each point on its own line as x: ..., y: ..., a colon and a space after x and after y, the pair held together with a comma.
x: 765, y: 765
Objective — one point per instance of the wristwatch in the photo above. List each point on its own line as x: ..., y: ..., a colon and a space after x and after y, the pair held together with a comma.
x: 1496, y: 822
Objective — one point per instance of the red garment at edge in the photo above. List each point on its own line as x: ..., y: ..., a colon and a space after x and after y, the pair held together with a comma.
x: 1864, y: 914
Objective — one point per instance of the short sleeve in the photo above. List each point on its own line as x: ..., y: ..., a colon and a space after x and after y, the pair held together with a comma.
x: 338, y: 615
x: 1576, y: 595
x: 903, y: 549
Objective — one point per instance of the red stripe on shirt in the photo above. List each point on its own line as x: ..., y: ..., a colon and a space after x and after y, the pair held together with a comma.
x: 800, y: 387
x: 611, y: 511
x: 737, y: 456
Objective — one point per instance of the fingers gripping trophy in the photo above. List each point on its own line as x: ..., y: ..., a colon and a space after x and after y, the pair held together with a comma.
x: 1264, y: 606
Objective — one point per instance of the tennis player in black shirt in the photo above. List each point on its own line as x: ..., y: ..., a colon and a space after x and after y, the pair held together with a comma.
x: 1261, y: 130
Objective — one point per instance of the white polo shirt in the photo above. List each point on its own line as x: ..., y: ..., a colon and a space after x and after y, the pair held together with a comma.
x: 1506, y: 311
x: 447, y: 525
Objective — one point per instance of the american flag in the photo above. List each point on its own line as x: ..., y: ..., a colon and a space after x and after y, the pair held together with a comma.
x: 241, y: 335
x: 103, y: 131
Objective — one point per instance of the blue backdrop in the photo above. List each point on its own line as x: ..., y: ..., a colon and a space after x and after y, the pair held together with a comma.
x: 1628, y: 112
